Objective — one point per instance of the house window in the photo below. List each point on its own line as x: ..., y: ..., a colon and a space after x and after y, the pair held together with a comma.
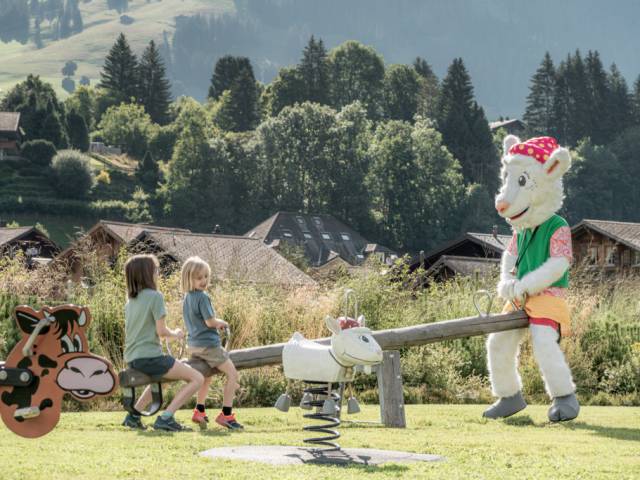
x: 592, y: 256
x: 326, y: 236
x: 287, y: 234
x: 360, y: 256
x: 308, y: 236
x: 302, y: 224
x: 317, y: 221
x: 345, y: 237
x: 636, y: 258
x: 611, y: 256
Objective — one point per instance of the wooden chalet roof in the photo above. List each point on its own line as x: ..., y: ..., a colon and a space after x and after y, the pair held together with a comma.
x: 505, y: 123
x: 627, y: 233
x: 230, y: 257
x: 10, y: 234
x: 486, y: 241
x: 128, y: 231
x: 463, y: 265
x: 9, y: 121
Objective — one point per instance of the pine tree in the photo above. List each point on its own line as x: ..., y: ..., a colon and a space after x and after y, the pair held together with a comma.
x: 154, y: 92
x: 238, y: 111
x: 148, y: 173
x: 119, y: 73
x: 579, y: 120
x: 561, y: 105
x: 429, y: 89
x: 619, y: 112
x: 598, y: 96
x: 461, y: 122
x: 78, y: 131
x: 314, y: 70
x: 226, y: 71
x: 423, y: 68
x: 539, y: 113
x: 635, y: 101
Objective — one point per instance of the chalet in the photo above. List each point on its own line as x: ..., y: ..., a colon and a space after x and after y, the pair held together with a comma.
x: 36, y: 246
x: 607, y: 245
x: 106, y: 238
x: 323, y: 237
x: 10, y: 135
x: 513, y: 126
x: 231, y: 257
x: 472, y: 254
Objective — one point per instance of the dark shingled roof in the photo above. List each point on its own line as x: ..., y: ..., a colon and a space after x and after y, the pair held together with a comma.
x: 230, y: 257
x: 319, y: 234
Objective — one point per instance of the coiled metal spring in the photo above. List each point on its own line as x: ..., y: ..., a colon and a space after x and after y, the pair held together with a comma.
x: 319, y: 395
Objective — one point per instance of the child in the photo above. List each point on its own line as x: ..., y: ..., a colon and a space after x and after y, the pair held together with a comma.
x: 145, y: 314
x: 203, y: 341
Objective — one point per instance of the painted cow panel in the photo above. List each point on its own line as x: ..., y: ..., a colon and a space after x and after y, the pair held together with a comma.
x: 60, y: 362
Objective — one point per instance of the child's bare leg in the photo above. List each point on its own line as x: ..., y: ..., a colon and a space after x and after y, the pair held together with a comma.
x: 231, y: 386
x: 144, y: 399
x: 204, y: 390
x: 181, y: 371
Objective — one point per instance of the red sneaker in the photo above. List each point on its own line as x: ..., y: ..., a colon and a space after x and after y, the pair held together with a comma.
x: 228, y: 421
x: 200, y: 418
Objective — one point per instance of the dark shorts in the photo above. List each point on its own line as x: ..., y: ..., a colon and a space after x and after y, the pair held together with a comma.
x: 154, y: 366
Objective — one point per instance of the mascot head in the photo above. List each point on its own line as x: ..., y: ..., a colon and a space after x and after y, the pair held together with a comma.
x: 531, y: 180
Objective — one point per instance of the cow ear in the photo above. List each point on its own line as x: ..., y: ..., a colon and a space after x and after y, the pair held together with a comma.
x: 508, y: 142
x: 26, y: 319
x: 558, y: 163
x: 332, y: 324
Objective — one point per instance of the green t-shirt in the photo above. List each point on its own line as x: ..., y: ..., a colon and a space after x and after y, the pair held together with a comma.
x: 140, y: 317
x: 536, y: 252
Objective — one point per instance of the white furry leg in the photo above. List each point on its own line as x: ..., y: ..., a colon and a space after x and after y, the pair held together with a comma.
x: 554, y: 368
x: 502, y: 354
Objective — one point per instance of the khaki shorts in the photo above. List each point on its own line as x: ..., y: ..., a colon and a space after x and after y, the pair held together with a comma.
x: 212, y: 356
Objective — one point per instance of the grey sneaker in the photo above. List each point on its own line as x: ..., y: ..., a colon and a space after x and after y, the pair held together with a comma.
x: 505, y: 407
x: 133, y: 421
x: 169, y: 425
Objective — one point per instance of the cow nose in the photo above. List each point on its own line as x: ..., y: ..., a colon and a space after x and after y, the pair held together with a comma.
x: 501, y: 206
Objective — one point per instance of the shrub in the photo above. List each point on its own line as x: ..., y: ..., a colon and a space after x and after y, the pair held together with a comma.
x: 39, y: 152
x: 103, y: 177
x: 73, y: 174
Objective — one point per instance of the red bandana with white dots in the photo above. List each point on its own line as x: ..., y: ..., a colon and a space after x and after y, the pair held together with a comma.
x: 539, y: 148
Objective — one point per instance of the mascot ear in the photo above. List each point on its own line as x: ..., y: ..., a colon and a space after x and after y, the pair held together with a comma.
x: 558, y: 163
x: 508, y: 142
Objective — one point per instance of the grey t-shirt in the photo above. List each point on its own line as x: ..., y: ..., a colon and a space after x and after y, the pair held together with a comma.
x: 197, y: 308
x: 140, y: 317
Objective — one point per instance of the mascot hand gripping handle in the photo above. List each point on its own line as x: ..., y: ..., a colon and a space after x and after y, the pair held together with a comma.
x: 534, y: 270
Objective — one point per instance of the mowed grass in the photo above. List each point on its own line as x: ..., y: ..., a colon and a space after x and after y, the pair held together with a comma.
x: 603, y: 443
x: 101, y: 28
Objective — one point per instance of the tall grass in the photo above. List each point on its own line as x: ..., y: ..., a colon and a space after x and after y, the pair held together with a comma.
x: 604, y: 352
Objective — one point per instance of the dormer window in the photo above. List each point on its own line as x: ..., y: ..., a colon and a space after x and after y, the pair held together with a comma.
x: 325, y: 236
x: 287, y: 234
x: 308, y: 236
x: 345, y: 236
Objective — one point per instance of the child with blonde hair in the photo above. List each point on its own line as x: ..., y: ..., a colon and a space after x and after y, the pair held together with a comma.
x: 203, y: 340
x: 145, y: 315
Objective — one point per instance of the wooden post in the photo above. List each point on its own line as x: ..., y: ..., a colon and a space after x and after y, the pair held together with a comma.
x: 390, y: 390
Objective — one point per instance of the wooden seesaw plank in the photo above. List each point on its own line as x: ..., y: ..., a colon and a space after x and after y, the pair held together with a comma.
x: 395, y: 338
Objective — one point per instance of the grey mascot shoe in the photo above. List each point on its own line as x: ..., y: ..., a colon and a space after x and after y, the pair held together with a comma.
x: 564, y: 408
x: 505, y: 407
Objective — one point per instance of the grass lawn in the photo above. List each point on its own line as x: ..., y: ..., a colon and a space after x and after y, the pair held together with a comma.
x: 603, y: 443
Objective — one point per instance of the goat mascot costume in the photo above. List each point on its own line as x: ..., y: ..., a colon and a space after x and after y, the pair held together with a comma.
x: 534, y: 269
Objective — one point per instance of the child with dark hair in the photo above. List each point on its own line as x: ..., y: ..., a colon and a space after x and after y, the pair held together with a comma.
x: 145, y: 314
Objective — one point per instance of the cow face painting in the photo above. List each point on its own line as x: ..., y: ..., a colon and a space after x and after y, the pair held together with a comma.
x: 60, y: 362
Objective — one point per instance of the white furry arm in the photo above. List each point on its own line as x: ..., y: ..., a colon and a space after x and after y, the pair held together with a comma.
x: 542, y: 277
x: 507, y: 263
